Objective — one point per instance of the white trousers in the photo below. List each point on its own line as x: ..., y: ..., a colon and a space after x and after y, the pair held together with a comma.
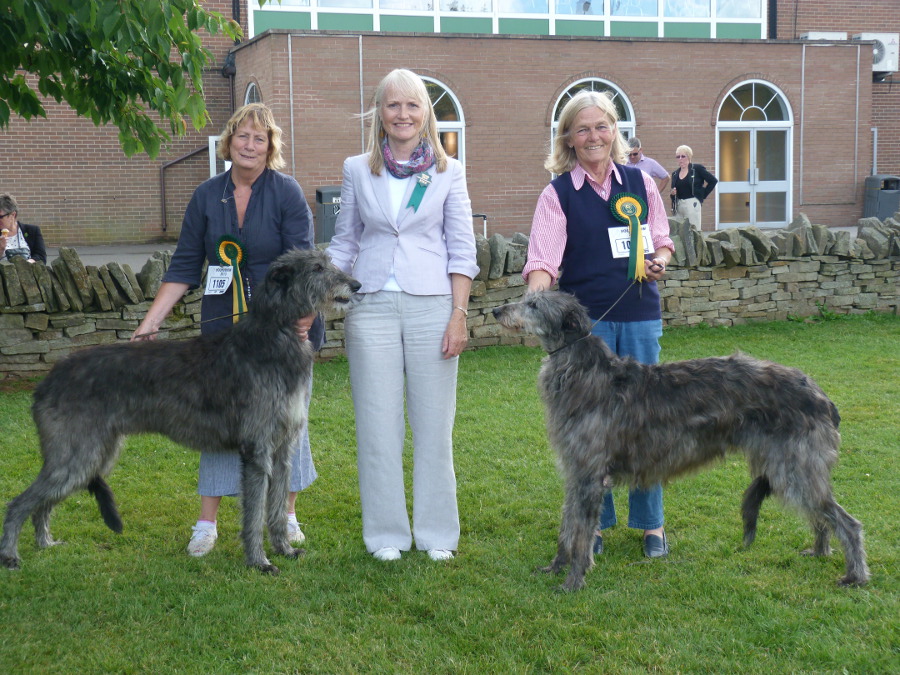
x: 393, y: 343
x: 690, y: 210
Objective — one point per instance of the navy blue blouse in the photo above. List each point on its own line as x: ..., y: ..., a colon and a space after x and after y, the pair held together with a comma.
x: 277, y: 219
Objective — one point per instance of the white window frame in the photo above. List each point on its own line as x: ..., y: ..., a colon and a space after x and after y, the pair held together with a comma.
x: 252, y: 87
x: 458, y: 126
x: 626, y: 127
x: 213, y: 146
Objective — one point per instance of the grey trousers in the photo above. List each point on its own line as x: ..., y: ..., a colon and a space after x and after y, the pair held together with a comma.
x: 393, y: 343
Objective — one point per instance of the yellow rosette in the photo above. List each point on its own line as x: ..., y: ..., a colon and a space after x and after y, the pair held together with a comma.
x: 230, y: 253
x: 629, y: 208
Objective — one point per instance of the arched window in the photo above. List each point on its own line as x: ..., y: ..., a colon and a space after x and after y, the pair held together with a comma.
x: 753, y: 102
x: 252, y: 94
x: 755, y: 128
x: 620, y: 101
x: 450, y: 123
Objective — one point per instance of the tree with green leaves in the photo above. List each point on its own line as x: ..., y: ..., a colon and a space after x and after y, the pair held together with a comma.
x: 135, y: 63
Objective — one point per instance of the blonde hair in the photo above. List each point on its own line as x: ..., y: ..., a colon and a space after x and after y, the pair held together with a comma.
x: 261, y: 117
x: 685, y: 149
x: 562, y: 158
x: 402, y: 82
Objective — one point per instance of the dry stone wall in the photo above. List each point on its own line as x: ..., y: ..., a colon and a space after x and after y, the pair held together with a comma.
x: 720, y: 278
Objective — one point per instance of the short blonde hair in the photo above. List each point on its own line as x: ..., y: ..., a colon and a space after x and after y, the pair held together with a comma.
x: 686, y: 150
x: 404, y: 83
x: 562, y: 158
x: 261, y: 117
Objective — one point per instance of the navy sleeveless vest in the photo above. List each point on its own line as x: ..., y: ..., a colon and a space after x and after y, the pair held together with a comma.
x: 588, y: 270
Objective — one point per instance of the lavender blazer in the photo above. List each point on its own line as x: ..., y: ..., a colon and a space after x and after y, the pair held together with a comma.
x: 424, y: 246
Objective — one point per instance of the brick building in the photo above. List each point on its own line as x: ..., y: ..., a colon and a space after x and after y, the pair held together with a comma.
x: 788, y: 124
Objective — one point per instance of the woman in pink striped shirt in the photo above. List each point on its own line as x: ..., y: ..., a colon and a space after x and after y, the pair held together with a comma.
x: 578, y: 240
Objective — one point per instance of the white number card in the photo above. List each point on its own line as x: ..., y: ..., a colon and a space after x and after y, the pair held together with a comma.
x: 218, y: 279
x: 620, y: 240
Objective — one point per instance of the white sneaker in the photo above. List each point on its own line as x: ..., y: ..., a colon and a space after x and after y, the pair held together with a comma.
x: 295, y: 534
x: 202, y: 541
x: 440, y: 554
x: 387, y: 553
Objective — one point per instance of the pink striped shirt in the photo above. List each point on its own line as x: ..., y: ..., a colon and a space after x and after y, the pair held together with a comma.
x: 547, y: 241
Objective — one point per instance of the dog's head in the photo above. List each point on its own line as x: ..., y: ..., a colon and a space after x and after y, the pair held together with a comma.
x: 299, y: 283
x: 556, y: 318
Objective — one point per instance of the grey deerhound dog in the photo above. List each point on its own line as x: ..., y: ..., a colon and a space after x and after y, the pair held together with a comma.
x: 241, y: 390
x: 612, y: 419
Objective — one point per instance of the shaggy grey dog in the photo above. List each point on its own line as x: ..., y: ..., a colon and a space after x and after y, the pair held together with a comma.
x: 614, y: 420
x: 240, y: 390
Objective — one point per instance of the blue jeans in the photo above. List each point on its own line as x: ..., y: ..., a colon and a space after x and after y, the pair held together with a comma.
x: 640, y: 340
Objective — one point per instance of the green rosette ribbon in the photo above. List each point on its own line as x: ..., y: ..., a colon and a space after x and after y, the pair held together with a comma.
x: 230, y: 253
x: 628, y: 208
x: 423, y: 180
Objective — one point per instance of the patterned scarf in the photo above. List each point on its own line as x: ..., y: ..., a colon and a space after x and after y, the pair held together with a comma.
x: 422, y: 158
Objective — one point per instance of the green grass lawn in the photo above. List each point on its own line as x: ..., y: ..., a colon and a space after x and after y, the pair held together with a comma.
x: 137, y: 603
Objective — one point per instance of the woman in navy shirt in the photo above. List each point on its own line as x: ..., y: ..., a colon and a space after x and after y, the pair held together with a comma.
x: 266, y: 214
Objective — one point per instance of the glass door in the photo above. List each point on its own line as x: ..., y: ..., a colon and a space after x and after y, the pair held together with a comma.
x: 754, y: 157
x: 753, y: 186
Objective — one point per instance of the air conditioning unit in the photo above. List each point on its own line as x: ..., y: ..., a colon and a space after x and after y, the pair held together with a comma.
x: 886, y: 51
x: 831, y: 36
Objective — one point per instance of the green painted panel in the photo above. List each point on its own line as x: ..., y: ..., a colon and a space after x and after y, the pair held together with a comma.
x: 346, y: 21
x: 686, y: 30
x: 739, y: 31
x: 587, y: 28
x: 633, y: 29
x: 523, y: 26
x: 453, y: 24
x: 407, y: 24
x: 263, y: 21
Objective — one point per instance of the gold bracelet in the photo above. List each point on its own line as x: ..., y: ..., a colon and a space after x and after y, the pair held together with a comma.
x: 462, y: 309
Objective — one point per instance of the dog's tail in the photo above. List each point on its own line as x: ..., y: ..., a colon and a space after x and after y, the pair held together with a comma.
x: 104, y: 496
x: 754, y: 496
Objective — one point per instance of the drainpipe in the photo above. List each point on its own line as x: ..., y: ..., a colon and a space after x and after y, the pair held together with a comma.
x: 228, y: 69
x: 290, y: 56
x: 874, y: 131
x: 773, y: 19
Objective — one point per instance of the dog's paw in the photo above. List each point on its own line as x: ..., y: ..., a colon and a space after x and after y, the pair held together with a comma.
x: 10, y: 562
x: 269, y: 568
x: 851, y: 581
x: 816, y: 554
x: 289, y: 551
x: 549, y: 569
x: 571, y: 584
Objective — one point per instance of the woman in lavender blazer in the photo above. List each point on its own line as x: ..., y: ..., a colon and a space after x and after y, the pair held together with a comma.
x: 405, y: 232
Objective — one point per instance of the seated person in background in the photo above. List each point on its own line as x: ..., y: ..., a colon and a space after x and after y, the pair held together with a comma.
x: 18, y: 238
